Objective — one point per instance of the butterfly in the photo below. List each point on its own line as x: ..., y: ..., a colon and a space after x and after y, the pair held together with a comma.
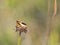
x: 21, y: 27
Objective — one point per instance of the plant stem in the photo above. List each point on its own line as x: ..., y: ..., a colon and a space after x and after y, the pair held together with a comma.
x: 19, y: 40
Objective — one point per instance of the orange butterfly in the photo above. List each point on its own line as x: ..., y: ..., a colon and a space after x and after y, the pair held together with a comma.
x: 21, y: 27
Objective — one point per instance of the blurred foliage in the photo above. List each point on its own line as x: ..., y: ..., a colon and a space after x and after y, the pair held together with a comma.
x: 32, y: 12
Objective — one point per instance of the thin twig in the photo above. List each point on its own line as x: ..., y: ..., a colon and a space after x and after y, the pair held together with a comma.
x: 48, y: 26
x: 55, y: 11
x: 50, y: 21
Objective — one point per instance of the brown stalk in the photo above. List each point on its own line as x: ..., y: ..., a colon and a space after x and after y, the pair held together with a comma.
x: 50, y: 21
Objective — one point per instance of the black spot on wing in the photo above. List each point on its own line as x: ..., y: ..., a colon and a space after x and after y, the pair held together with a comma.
x: 24, y: 23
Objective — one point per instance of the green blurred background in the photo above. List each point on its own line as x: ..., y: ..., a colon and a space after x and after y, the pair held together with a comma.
x: 32, y: 12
